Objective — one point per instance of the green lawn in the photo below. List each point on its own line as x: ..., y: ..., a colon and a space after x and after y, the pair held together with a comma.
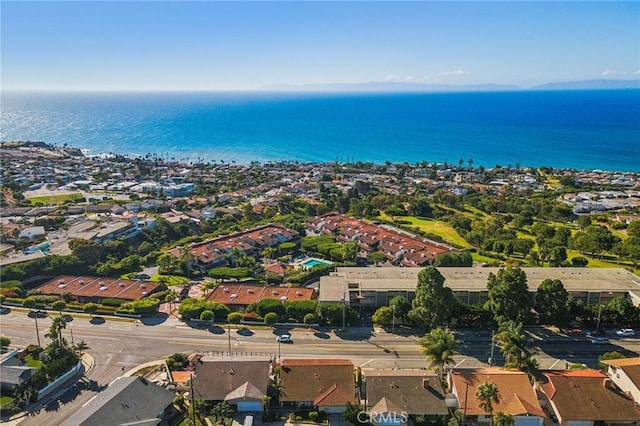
x: 439, y: 228
x: 5, y: 400
x: 56, y: 199
x: 170, y: 280
x: 31, y: 362
x: 484, y: 259
x: 435, y: 227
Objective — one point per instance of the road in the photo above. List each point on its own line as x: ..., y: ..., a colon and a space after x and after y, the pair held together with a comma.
x: 118, y: 345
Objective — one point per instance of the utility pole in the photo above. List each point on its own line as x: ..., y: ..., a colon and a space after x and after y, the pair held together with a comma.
x: 393, y: 318
x: 344, y: 309
x: 193, y: 397
x: 37, y: 332
x: 492, y: 348
x: 599, y: 314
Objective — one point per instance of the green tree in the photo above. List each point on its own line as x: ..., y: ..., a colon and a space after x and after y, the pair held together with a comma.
x: 234, y: 318
x: 553, y: 303
x: 502, y: 419
x: 59, y: 306
x: 512, y: 344
x: 90, y: 308
x: 271, y: 318
x: 608, y: 356
x: 400, y: 306
x: 509, y: 297
x: 439, y: 347
x: 633, y: 230
x: 29, y: 302
x: 382, y: 316
x: 4, y: 342
x: 376, y: 257
x: 434, y: 303
x: 488, y: 394
x: 310, y: 319
x: 55, y: 330
x: 206, y: 315
x: 353, y: 414
x: 80, y: 348
x: 350, y: 251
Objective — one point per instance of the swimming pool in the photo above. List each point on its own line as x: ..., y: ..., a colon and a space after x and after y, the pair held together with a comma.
x: 314, y: 262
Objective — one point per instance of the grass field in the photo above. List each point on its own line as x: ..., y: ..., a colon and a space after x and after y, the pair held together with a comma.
x: 435, y: 227
x: 31, y: 362
x: 48, y: 200
x: 4, y: 400
x: 170, y: 280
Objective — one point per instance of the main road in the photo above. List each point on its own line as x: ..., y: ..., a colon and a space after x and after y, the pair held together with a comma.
x: 118, y: 345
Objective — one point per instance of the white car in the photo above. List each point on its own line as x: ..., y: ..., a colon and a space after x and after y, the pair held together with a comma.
x: 625, y: 332
x: 284, y: 338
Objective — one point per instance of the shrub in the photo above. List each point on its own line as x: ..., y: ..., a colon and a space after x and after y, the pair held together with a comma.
x: 313, y: 415
x: 271, y: 318
x: 234, y: 317
x: 116, y: 303
x: 310, y: 319
x: 206, y: 315
x: 177, y: 361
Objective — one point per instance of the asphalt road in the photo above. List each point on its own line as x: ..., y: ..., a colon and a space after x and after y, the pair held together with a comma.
x: 119, y: 345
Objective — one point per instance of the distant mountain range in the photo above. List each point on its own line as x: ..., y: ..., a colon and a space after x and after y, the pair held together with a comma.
x: 375, y: 86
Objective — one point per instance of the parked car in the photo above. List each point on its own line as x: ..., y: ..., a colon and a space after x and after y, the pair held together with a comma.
x: 284, y: 338
x: 574, y: 332
x: 38, y: 313
x: 625, y: 332
x: 597, y: 333
x: 599, y: 340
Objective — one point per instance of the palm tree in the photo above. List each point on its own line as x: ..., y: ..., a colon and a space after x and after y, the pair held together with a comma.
x: 488, y: 394
x: 439, y: 347
x: 55, y: 330
x: 502, y: 419
x: 80, y: 347
x: 511, y: 341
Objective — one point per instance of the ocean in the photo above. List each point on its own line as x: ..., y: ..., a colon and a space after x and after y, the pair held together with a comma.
x: 597, y: 129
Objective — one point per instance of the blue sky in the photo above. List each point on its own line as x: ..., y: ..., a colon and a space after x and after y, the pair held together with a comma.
x: 205, y: 45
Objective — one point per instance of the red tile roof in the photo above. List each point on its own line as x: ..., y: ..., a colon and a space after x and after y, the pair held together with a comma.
x: 325, y: 382
x: 587, y: 395
x: 245, y: 294
x: 86, y: 287
x: 516, y: 394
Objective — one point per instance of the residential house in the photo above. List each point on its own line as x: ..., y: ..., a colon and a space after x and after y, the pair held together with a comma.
x: 515, y: 393
x: 32, y: 233
x: 127, y: 400
x: 393, y: 396
x: 585, y: 398
x: 625, y: 374
x: 13, y: 371
x: 241, y: 382
x: 323, y: 384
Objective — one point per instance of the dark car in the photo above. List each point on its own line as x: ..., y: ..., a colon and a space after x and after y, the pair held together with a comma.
x: 37, y: 314
x: 597, y: 333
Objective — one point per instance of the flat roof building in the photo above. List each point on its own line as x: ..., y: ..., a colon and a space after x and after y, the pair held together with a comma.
x: 373, y: 287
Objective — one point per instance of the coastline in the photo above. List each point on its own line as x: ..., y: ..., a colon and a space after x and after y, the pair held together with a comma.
x: 581, y: 130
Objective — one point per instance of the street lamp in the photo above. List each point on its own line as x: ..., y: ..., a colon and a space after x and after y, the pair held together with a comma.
x: 343, y: 299
x: 229, y: 335
x: 35, y: 317
x: 599, y: 314
x: 393, y: 317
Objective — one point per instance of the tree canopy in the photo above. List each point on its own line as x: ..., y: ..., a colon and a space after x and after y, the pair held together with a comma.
x: 509, y: 296
x: 434, y: 303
